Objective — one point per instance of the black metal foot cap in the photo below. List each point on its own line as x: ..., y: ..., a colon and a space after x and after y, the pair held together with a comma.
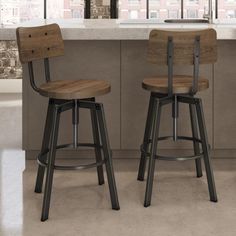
x: 44, y: 219
x: 140, y: 179
x: 116, y: 208
x: 38, y: 191
x: 146, y: 205
x: 214, y: 200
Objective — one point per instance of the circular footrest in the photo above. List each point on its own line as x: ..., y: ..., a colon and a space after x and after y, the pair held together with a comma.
x: 175, y: 158
x: 67, y: 167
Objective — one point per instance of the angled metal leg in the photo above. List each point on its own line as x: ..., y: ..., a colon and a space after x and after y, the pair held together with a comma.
x: 151, y: 167
x: 45, y: 144
x: 147, y: 136
x: 107, y: 157
x: 206, y: 151
x: 50, y: 166
x: 96, y: 140
x: 195, y: 135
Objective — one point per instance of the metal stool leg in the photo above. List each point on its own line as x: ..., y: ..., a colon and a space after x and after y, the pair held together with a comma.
x: 45, y: 143
x: 107, y: 157
x: 50, y: 166
x: 75, y: 122
x: 151, y: 168
x: 147, y: 136
x: 175, y: 115
x: 205, y: 147
x: 195, y: 135
x: 96, y: 140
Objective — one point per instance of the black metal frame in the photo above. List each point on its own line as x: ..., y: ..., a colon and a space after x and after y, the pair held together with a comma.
x: 46, y: 157
x: 87, y: 9
x: 45, y: 9
x: 151, y: 139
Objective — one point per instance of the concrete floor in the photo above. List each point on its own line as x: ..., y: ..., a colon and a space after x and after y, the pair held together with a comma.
x: 180, y: 203
x: 79, y: 207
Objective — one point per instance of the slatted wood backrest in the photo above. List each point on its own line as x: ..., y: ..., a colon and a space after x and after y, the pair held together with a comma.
x: 183, y: 42
x: 39, y: 42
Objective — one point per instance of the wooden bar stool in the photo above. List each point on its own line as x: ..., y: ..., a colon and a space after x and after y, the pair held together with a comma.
x: 44, y: 42
x: 178, y: 48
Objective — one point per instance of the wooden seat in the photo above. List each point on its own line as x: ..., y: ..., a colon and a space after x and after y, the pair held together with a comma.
x: 182, y: 84
x: 74, y: 89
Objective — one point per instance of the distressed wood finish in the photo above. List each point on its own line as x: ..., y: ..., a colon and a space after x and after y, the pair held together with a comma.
x: 182, y: 84
x: 183, y: 46
x: 74, y: 89
x: 39, y: 42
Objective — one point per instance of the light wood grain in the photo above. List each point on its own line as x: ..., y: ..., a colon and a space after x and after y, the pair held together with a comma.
x: 182, y: 84
x: 74, y: 89
x: 39, y: 42
x: 183, y: 46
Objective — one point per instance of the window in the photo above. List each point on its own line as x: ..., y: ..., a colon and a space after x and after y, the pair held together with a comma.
x: 133, y: 14
x: 192, y: 13
x: 65, y: 8
x: 133, y: 2
x: 154, y: 14
x: 226, y: 9
x: 174, y: 14
x: 132, y: 9
x: 164, y: 9
x: 15, y: 11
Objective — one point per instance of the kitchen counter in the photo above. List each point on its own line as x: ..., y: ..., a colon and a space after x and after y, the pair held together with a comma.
x: 116, y: 51
x: 103, y: 29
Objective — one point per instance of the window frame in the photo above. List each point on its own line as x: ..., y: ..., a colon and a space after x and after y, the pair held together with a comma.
x: 114, y: 9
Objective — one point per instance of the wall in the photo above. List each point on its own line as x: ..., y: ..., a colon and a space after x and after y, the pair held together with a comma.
x: 10, y: 67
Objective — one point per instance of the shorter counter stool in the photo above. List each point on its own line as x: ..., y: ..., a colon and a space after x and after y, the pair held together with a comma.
x: 169, y: 48
x: 44, y: 42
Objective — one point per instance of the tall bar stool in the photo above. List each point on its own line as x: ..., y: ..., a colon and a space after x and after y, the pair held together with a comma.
x: 177, y: 48
x: 44, y: 42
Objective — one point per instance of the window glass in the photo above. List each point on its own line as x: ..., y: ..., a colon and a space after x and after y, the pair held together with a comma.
x: 154, y: 14
x: 195, y: 8
x: 132, y: 9
x: 226, y: 9
x: 133, y: 14
x: 164, y: 9
x: 15, y: 11
x: 65, y: 9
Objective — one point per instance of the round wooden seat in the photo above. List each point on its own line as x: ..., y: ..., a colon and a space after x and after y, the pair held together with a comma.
x: 74, y: 89
x: 182, y: 84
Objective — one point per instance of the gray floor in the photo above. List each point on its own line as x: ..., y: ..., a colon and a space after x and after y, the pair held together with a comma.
x: 180, y: 204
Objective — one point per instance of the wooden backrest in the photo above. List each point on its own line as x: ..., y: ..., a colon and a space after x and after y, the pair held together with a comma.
x: 39, y: 42
x: 183, y: 45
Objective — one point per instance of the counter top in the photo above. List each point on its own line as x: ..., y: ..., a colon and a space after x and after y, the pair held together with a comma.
x: 106, y: 29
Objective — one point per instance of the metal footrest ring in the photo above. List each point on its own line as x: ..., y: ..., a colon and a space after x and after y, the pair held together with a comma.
x: 175, y: 158
x: 68, y: 167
